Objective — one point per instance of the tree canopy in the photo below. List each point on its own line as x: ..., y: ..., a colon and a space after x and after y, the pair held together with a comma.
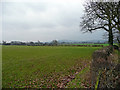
x: 102, y: 16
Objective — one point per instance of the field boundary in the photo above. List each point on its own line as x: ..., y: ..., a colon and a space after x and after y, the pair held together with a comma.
x: 85, y: 45
x: 103, y: 69
x: 0, y: 66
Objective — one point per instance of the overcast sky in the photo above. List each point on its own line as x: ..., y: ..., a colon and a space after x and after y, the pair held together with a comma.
x: 44, y: 20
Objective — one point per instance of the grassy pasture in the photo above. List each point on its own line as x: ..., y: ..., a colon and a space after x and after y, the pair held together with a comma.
x: 41, y: 66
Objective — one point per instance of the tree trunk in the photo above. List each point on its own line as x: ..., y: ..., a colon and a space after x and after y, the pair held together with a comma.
x: 110, y: 34
x: 110, y: 37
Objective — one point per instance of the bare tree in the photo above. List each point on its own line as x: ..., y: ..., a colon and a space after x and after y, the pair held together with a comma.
x: 116, y: 19
x: 101, y: 16
x: 54, y: 42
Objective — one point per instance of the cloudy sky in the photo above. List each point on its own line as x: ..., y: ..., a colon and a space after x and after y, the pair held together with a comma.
x: 44, y: 20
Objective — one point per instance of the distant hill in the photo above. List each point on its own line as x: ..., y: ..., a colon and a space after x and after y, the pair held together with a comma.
x: 89, y: 41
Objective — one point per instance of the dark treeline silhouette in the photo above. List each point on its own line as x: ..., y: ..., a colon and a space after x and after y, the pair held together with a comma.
x: 52, y: 43
x: 38, y: 43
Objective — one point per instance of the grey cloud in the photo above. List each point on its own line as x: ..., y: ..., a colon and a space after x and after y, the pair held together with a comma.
x: 44, y: 21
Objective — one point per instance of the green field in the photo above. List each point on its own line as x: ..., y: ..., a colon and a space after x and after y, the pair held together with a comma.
x: 92, y: 44
x: 41, y: 66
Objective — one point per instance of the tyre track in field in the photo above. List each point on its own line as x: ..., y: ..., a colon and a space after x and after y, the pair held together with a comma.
x: 68, y: 78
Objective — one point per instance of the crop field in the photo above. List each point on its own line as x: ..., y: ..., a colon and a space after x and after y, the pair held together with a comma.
x: 44, y: 66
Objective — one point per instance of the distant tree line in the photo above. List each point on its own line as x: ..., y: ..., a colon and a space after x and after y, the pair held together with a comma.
x: 52, y: 43
x: 38, y: 43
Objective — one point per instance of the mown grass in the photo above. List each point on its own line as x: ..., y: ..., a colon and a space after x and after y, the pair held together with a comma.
x: 40, y: 66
